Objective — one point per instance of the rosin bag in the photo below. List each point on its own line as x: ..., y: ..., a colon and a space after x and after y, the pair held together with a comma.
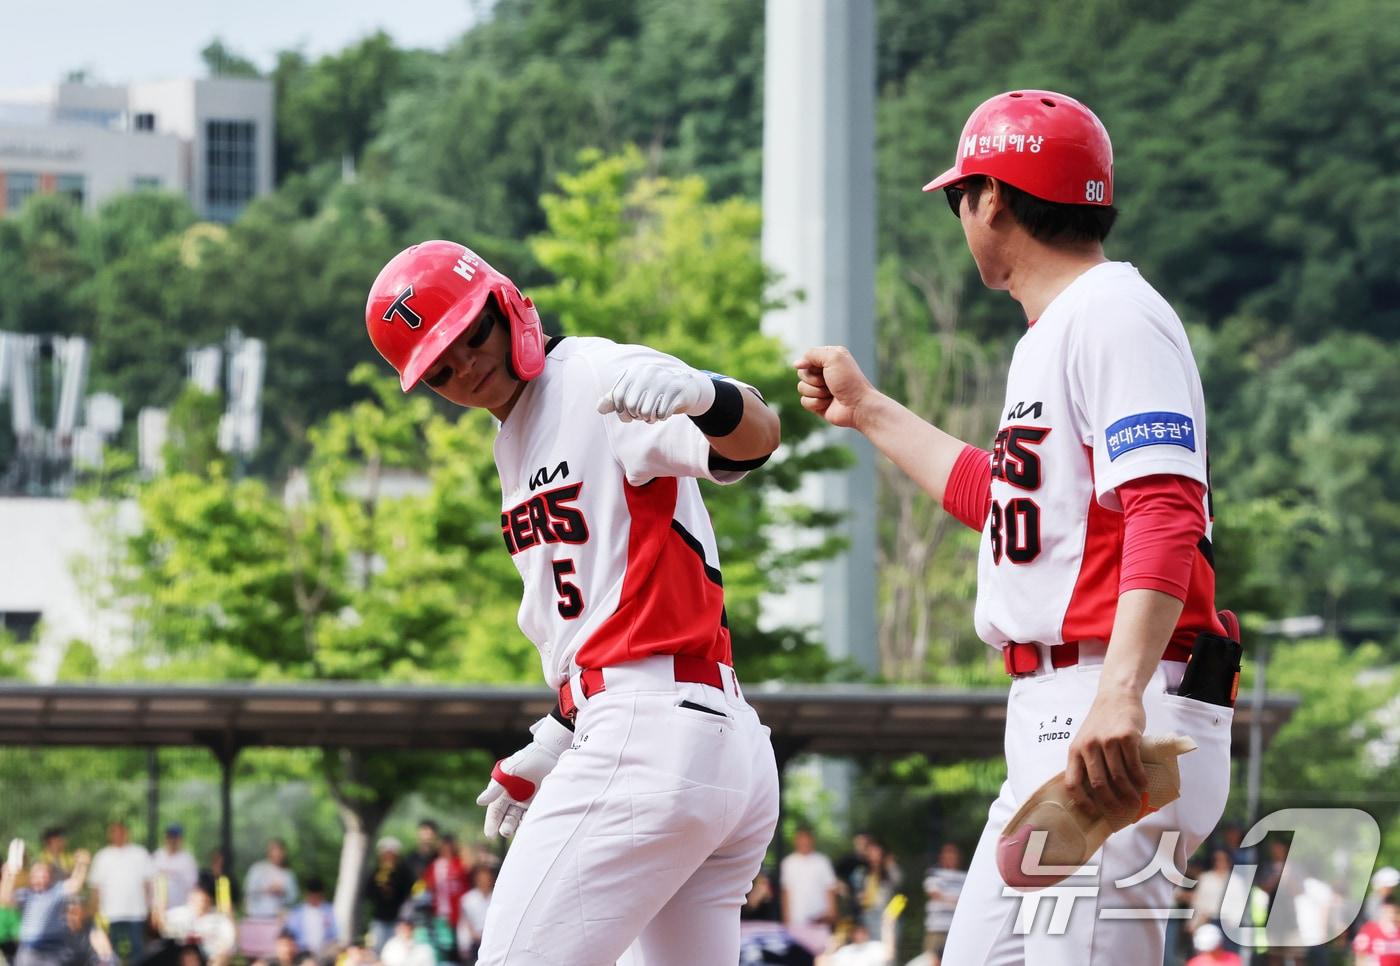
x: 1074, y: 833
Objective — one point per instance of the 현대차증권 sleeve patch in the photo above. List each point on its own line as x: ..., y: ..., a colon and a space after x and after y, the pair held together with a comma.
x: 1149, y: 429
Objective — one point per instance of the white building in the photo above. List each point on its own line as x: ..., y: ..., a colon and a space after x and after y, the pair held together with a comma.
x: 211, y: 139
x: 55, y: 563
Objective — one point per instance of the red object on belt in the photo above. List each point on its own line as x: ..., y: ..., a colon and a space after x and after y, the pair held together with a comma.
x: 1019, y: 658
x: 689, y: 670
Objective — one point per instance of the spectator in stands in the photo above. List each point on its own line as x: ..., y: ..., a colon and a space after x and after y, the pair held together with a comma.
x: 942, y: 884
x: 388, y: 889
x: 285, y: 952
x: 198, y: 923
x: 313, y: 921
x: 9, y: 926
x: 271, y: 887
x: 406, y: 949
x: 1208, y: 942
x: 808, y: 885
x: 42, y: 905
x: 1231, y: 836
x: 174, y: 864
x: 356, y: 955
x: 223, y: 888
x: 1378, y: 942
x: 53, y: 850
x: 1383, y: 884
x: 85, y: 943
x: 484, y: 855
x: 874, y: 884
x: 761, y: 903
x: 121, y: 876
x: 472, y: 918
x: 858, y: 948
x: 427, y: 849
x: 1209, y: 891
x: 846, y: 868
x: 447, y: 883
x: 770, y: 943
x: 1316, y: 910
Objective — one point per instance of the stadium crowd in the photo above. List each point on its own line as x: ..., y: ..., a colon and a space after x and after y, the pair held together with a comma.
x: 820, y: 912
x: 127, y: 905
x: 427, y: 905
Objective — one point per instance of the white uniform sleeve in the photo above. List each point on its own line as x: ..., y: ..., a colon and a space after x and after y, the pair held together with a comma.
x: 1137, y: 395
x: 671, y: 447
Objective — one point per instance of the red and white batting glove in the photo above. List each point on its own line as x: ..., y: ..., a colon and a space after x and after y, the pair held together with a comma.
x: 515, y: 780
x: 652, y: 393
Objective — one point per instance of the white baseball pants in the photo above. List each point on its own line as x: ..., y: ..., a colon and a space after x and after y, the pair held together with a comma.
x: 645, y: 838
x: 1107, y: 924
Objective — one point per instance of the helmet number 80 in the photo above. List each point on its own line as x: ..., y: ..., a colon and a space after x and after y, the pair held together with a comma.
x: 1094, y: 191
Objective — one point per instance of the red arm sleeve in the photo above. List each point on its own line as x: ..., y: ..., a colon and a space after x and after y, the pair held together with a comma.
x: 1164, y: 518
x: 968, y: 492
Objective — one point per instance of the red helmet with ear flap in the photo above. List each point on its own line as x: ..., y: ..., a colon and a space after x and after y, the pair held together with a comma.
x: 1048, y: 145
x: 429, y: 294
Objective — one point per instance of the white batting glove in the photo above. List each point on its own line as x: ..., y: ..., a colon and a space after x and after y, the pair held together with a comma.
x: 515, y: 780
x: 653, y: 392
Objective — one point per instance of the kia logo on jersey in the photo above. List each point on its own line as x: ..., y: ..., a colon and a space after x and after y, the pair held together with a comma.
x: 402, y: 309
x: 1024, y: 410
x: 543, y: 475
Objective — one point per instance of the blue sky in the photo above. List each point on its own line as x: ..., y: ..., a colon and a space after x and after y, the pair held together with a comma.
x: 124, y: 40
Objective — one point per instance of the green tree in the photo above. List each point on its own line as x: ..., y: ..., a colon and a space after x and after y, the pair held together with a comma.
x: 1343, y: 692
x: 43, y: 269
x: 222, y: 61
x: 329, y: 109
x: 294, y: 271
x: 1299, y: 447
x: 506, y: 111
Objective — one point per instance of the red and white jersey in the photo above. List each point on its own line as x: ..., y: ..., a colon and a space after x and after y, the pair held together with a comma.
x: 1380, y: 942
x: 604, y: 519
x: 1103, y: 389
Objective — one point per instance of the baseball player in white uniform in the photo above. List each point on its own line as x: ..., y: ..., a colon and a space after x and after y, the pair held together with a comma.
x: 643, y: 805
x: 1095, y: 578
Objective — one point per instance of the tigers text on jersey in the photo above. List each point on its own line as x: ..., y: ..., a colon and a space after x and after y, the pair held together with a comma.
x: 604, y: 519
x: 1103, y: 389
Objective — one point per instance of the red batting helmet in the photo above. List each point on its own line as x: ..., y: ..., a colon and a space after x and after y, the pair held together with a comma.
x: 1048, y: 145
x: 429, y: 294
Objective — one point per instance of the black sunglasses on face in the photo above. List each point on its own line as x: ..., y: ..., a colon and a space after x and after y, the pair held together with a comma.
x: 954, y: 193
x: 475, y: 338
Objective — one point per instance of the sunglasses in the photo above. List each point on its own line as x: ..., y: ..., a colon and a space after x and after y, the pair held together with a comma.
x: 954, y: 193
x: 474, y: 338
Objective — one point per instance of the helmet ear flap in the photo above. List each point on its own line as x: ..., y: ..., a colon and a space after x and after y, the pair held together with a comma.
x: 526, y: 353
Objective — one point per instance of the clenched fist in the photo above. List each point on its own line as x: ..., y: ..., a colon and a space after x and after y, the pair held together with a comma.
x: 832, y: 385
x: 652, y: 393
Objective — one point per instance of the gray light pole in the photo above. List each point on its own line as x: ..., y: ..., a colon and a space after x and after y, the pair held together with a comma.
x: 1290, y: 628
x: 819, y: 234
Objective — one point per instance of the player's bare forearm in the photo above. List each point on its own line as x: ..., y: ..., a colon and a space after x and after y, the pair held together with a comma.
x: 757, y: 435
x: 1142, y: 628
x: 831, y: 385
x: 1105, y: 767
x: 924, y: 452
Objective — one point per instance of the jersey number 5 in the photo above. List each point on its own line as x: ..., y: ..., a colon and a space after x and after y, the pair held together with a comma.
x: 570, y: 597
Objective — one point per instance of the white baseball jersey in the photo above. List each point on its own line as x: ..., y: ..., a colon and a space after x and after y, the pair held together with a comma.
x: 1103, y: 389
x: 604, y: 519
